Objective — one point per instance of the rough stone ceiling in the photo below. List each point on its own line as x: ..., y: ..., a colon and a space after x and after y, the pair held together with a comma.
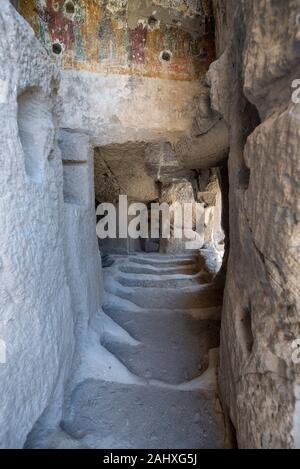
x: 121, y: 169
x: 135, y: 168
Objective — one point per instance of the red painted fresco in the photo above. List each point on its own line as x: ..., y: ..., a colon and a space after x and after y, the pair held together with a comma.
x: 99, y: 39
x: 138, y: 39
x: 60, y: 27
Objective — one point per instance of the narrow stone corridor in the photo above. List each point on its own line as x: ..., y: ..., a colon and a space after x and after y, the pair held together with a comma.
x: 170, y: 317
x: 150, y: 224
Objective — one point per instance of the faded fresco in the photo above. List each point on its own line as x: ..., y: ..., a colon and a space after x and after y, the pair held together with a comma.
x: 170, y: 39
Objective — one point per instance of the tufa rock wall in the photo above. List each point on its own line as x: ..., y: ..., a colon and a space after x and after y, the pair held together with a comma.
x: 251, y: 89
x: 50, y: 271
x: 35, y: 298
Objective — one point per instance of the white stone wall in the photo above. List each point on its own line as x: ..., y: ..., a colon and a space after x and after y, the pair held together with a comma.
x: 36, y: 322
x: 82, y: 256
x: 123, y: 108
x: 50, y: 269
x: 259, y: 380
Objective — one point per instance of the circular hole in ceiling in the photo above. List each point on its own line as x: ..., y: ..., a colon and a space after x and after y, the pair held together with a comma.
x: 56, y: 48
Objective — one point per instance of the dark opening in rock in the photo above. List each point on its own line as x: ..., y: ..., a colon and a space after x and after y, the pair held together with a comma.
x: 56, y: 48
x: 166, y: 56
x: 246, y: 321
x: 70, y: 8
x: 244, y: 177
x: 152, y: 20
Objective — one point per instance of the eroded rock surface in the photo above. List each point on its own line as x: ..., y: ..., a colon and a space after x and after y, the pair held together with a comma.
x: 34, y: 295
x: 251, y: 88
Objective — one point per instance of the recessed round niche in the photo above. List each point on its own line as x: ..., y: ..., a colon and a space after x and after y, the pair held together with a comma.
x: 152, y: 21
x: 56, y: 48
x: 70, y: 8
x: 36, y: 131
x: 166, y: 56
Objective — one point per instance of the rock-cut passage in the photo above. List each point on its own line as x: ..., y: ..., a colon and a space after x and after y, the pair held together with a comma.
x: 164, y: 340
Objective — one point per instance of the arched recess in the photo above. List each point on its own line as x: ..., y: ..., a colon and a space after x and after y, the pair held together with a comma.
x: 36, y: 131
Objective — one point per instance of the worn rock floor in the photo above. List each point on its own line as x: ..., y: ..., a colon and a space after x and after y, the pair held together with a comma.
x: 154, y: 385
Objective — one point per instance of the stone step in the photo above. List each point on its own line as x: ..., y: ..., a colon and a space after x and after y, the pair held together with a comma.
x: 113, y: 415
x: 149, y: 269
x: 160, y: 281
x: 188, y: 298
x: 172, y: 348
x: 146, y: 261
x: 148, y: 379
